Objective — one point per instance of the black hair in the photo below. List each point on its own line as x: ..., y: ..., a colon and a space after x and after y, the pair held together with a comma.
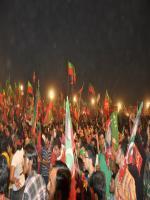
x: 124, y: 146
x: 91, y: 153
x: 63, y: 181
x: 98, y: 184
x: 3, y: 145
x: 57, y: 142
x: 31, y: 153
x: 4, y: 175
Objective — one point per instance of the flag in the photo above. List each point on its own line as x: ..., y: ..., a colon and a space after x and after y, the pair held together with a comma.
x: 71, y: 73
x: 69, y: 143
x: 49, y: 116
x: 129, y: 155
x: 98, y: 98
x: 81, y: 89
x: 35, y: 114
x: 138, y: 158
x: 70, y: 69
x: 108, y: 134
x: 34, y: 77
x: 114, y: 130
x: 29, y: 88
x: 107, y: 102
x: 91, y: 89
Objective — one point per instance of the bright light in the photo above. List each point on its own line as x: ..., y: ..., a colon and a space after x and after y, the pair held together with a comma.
x: 51, y: 94
x: 75, y: 99
x: 119, y: 105
x: 148, y: 105
x: 21, y: 87
x: 127, y: 114
x: 92, y: 101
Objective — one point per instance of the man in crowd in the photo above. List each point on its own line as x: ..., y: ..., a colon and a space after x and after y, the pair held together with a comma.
x: 35, y: 187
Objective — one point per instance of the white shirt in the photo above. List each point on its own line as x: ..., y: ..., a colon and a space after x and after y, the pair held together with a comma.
x: 17, y: 162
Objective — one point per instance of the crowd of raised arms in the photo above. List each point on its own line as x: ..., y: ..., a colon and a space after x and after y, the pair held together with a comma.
x: 90, y: 153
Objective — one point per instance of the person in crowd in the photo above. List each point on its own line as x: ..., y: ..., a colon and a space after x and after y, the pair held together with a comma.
x: 46, y: 157
x: 35, y: 187
x: 124, y: 182
x: 3, y: 149
x: 4, y: 178
x: 98, y: 184
x: 58, y: 151
x: 17, y: 177
x: 59, y: 182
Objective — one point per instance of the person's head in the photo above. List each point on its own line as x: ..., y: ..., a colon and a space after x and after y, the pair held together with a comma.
x: 57, y: 147
x: 10, y: 147
x: 31, y: 162
x: 101, y: 139
x: 89, y: 158
x: 98, y: 184
x: 4, y: 175
x: 121, y: 152
x: 59, y: 182
x: 3, y: 145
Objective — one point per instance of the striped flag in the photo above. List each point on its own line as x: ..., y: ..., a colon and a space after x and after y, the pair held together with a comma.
x: 69, y: 143
x: 129, y: 154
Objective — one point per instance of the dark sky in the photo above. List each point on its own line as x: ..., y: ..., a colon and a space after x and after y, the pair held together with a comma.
x: 108, y: 41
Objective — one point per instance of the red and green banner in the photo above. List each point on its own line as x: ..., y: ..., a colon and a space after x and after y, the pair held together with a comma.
x: 91, y: 89
x: 107, y: 102
x: 29, y: 88
x: 71, y: 73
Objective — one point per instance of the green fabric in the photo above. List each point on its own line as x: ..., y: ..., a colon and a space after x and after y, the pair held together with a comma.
x: 107, y: 172
x: 114, y: 129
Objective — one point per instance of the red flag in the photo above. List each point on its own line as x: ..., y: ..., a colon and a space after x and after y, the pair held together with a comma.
x: 71, y: 73
x: 29, y: 88
x: 138, y: 158
x: 91, y: 89
x: 70, y: 69
x: 107, y: 104
x: 34, y: 77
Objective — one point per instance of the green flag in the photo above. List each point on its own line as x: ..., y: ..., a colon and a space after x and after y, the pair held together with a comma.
x: 114, y: 129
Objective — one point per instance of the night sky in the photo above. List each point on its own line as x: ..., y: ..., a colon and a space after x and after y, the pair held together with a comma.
x: 108, y: 41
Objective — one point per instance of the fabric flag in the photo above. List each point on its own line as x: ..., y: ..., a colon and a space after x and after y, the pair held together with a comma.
x: 114, y: 130
x: 70, y: 69
x: 107, y: 172
x: 138, y: 158
x: 71, y: 73
x: 35, y: 114
x: 91, y: 89
x: 108, y: 134
x: 34, y: 77
x: 29, y: 88
x: 48, y: 117
x: 81, y: 89
x: 69, y: 143
x: 98, y: 98
x: 107, y: 102
x: 129, y: 155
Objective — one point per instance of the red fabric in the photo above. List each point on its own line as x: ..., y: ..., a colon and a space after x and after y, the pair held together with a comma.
x: 122, y: 172
x: 72, y: 195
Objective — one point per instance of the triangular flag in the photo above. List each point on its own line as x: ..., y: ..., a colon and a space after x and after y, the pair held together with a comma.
x: 69, y: 143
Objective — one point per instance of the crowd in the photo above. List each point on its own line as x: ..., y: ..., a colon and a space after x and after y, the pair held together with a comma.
x: 33, y: 156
